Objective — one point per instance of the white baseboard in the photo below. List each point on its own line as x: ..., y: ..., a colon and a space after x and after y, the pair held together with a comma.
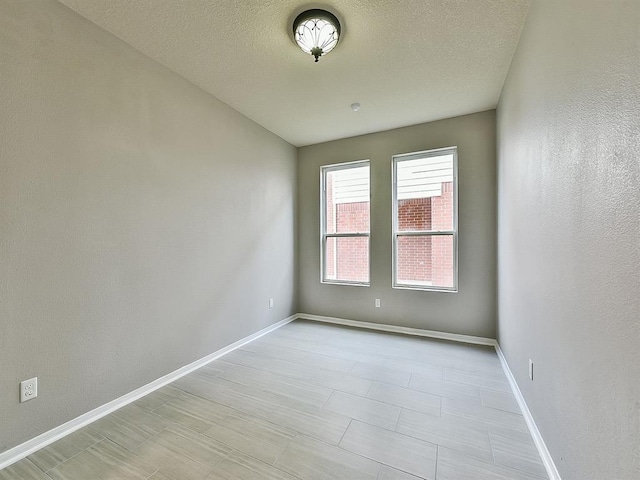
x: 549, y: 465
x: 30, y: 446
x: 396, y: 329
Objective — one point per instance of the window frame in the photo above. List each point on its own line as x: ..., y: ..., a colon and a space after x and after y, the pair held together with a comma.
x: 395, y: 159
x: 324, y: 169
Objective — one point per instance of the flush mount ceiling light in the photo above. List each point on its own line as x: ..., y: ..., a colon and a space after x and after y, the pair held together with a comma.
x: 316, y: 32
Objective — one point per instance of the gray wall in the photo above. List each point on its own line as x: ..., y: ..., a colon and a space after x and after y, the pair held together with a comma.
x: 143, y: 224
x: 569, y: 231
x: 472, y: 310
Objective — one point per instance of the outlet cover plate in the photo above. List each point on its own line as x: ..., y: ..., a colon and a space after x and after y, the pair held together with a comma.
x: 28, y: 389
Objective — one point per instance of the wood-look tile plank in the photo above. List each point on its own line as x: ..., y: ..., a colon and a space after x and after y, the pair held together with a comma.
x: 320, y: 424
x: 304, y: 364
x: 365, y: 409
x: 258, y: 428
x: 500, y: 400
x: 389, y: 473
x: 214, y: 379
x: 188, y: 443
x: 342, y: 382
x: 277, y: 386
x: 104, y: 461
x: 260, y: 439
x: 483, y: 415
x: 129, y: 426
x: 53, y: 455
x: 238, y: 466
x: 159, y: 476
x: 309, y: 395
x: 317, y: 347
x: 358, y: 354
x: 413, y: 366
x: 190, y: 411
x: 213, y: 370
x: 454, y: 465
x: 242, y: 356
x: 381, y: 374
x: 23, y: 470
x: 516, y: 450
x: 182, y: 468
x: 273, y: 352
x: 471, y: 358
x: 486, y: 380
x: 442, y: 388
x: 406, y: 398
x: 298, y: 370
x: 227, y: 393
x: 365, y: 349
x: 159, y: 397
x: 183, y: 454
x: 449, y: 431
x: 402, y: 452
x: 310, y: 459
x: 262, y: 401
x: 492, y: 367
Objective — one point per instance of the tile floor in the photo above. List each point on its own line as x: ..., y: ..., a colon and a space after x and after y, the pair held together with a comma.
x: 313, y: 402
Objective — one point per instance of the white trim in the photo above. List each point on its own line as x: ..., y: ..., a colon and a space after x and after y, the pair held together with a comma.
x: 547, y: 460
x: 30, y: 446
x: 397, y: 329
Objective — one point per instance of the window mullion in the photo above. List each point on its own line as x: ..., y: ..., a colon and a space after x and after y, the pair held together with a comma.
x: 414, y: 233
x: 347, y: 235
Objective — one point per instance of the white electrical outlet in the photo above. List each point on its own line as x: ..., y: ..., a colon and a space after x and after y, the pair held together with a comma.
x: 377, y: 303
x: 28, y: 389
x: 271, y: 303
x: 530, y: 369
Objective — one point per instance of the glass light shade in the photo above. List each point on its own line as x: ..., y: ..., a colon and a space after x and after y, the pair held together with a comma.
x: 316, y: 32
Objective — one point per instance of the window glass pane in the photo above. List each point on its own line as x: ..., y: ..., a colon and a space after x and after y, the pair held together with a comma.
x: 347, y: 200
x: 347, y: 259
x: 425, y: 260
x: 425, y: 193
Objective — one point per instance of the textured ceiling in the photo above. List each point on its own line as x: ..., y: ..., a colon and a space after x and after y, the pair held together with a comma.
x: 405, y: 61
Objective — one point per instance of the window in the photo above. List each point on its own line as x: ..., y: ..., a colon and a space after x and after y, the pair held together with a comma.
x: 425, y: 219
x: 345, y: 223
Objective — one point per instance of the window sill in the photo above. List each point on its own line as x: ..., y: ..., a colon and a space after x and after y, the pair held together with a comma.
x: 425, y: 288
x: 348, y: 284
